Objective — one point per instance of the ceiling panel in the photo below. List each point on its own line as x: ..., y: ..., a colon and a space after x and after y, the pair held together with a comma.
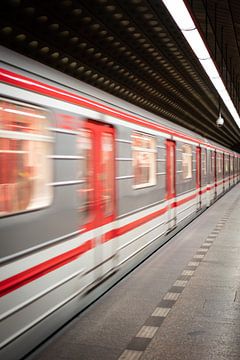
x: 131, y: 49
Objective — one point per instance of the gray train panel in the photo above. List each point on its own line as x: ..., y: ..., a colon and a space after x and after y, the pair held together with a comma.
x: 36, y: 228
x: 124, y: 168
x: 130, y: 199
x: 65, y: 170
x: 65, y: 144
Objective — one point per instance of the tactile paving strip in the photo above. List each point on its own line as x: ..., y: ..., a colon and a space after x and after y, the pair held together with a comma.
x: 140, y: 342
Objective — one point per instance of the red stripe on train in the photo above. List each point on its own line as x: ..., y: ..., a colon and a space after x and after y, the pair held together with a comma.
x: 183, y: 201
x: 23, y: 278
x: 133, y: 225
x: 16, y: 281
x: 57, y: 93
x: 203, y: 191
x: 26, y: 83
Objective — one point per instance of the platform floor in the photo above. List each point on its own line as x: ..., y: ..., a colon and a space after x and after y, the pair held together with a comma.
x: 182, y: 303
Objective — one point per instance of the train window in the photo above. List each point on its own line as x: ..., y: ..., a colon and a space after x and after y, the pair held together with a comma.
x: 213, y: 157
x: 231, y: 164
x: 144, y: 160
x: 187, y: 161
x: 219, y: 163
x: 107, y: 172
x: 204, y: 161
x: 172, y: 168
x: 226, y: 162
x: 86, y: 190
x: 25, y: 164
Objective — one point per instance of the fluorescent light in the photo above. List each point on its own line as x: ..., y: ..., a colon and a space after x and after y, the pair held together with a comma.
x: 193, y: 37
x: 183, y: 19
x: 181, y: 14
x: 218, y: 83
x: 210, y: 68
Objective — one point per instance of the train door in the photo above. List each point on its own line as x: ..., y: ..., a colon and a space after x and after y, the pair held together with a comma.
x: 198, y: 176
x: 171, y: 183
x: 100, y: 141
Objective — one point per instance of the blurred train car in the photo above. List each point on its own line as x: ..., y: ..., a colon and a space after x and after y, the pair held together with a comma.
x: 89, y: 186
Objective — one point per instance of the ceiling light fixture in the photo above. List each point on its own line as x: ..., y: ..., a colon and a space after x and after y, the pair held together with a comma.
x: 183, y: 19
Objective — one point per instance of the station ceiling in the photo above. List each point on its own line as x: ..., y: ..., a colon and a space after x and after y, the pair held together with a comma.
x: 134, y: 50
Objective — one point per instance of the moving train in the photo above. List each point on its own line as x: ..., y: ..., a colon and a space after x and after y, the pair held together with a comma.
x: 90, y: 185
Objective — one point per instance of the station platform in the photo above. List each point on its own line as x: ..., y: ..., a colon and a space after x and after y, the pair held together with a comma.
x: 181, y: 303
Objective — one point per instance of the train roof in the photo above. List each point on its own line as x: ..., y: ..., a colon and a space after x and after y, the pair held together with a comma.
x: 51, y: 76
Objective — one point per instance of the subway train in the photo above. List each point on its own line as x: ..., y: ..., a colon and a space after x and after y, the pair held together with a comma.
x: 90, y: 185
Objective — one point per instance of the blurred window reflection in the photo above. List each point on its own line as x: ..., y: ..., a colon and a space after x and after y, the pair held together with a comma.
x: 25, y: 164
x: 204, y: 161
x: 231, y: 164
x: 144, y: 160
x: 226, y: 161
x: 219, y: 163
x: 187, y: 161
